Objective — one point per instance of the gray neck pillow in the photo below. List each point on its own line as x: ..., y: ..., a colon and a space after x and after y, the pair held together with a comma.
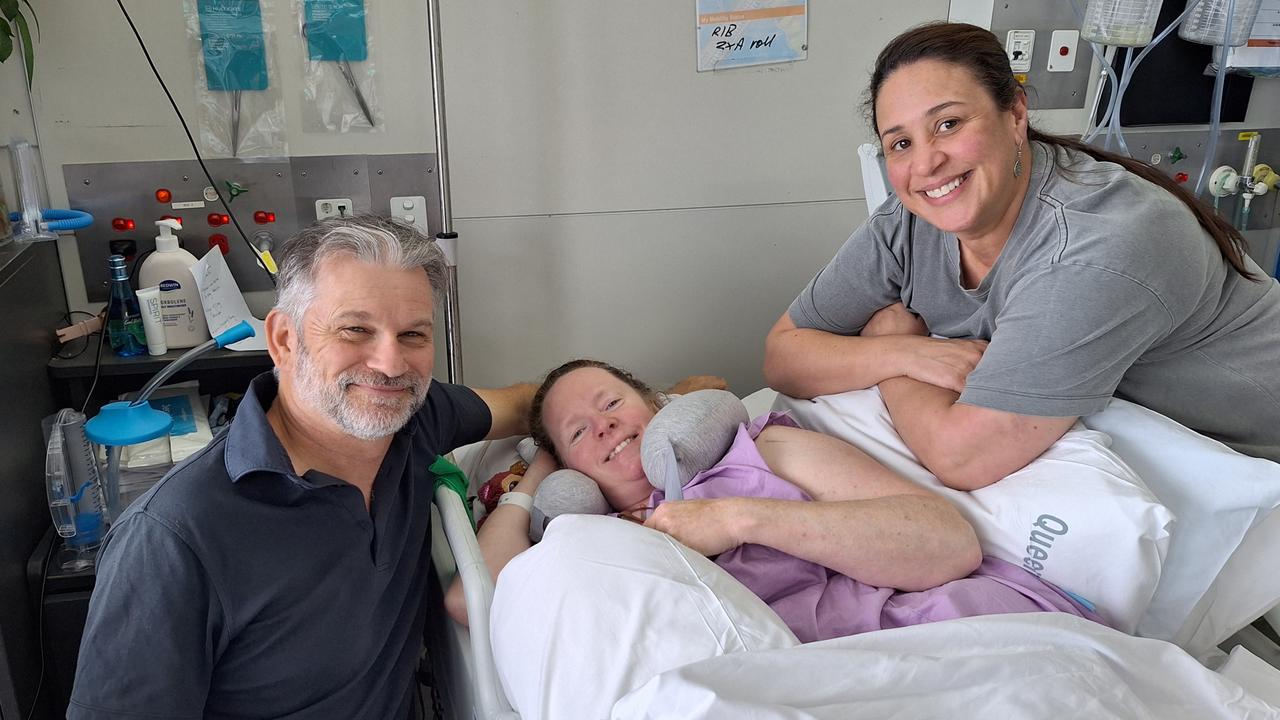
x: 690, y: 434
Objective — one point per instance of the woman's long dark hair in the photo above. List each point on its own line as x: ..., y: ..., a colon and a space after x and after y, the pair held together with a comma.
x: 980, y: 52
x: 536, y: 427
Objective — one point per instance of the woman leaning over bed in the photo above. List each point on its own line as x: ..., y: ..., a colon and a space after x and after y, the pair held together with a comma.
x: 1090, y: 275
x: 834, y: 542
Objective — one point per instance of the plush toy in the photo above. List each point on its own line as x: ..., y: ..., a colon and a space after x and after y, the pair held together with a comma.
x: 688, y: 435
x: 500, y: 483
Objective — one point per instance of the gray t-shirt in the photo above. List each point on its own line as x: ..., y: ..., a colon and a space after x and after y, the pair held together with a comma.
x: 1107, y: 286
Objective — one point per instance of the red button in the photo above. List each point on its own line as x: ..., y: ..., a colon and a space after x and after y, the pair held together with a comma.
x: 163, y: 195
x: 1064, y: 51
x: 1181, y: 177
x: 219, y: 241
x: 262, y: 217
x: 215, y: 219
x: 122, y: 224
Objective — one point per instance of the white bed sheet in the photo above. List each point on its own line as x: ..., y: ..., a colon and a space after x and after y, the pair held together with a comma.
x: 1044, y: 665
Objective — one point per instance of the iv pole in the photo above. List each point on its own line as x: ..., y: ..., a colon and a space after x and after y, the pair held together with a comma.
x: 447, y: 239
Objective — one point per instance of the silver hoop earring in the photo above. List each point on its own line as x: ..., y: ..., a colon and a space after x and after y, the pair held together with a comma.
x: 1017, y: 163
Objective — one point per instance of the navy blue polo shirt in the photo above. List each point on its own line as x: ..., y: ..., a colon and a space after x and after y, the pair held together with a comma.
x: 236, y: 589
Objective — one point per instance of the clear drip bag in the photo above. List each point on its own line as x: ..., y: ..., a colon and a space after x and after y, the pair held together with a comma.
x: 1207, y: 22
x: 1129, y: 23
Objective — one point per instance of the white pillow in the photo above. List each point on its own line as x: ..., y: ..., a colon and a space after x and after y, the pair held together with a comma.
x: 602, y: 604
x: 1077, y: 516
x: 1205, y: 593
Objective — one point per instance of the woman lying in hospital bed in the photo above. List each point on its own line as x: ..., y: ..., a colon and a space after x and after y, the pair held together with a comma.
x: 831, y: 540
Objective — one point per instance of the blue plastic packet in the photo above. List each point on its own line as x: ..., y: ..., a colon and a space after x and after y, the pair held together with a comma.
x: 335, y: 30
x: 235, y: 55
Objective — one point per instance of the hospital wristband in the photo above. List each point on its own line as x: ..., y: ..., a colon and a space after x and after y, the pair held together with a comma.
x: 523, y: 500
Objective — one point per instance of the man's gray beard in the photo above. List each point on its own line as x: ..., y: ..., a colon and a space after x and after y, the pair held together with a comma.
x: 381, y: 416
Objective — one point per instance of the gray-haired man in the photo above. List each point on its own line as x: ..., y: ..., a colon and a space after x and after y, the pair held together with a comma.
x: 281, y: 571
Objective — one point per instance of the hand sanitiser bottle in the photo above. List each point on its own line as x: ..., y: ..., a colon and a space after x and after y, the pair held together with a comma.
x: 180, y: 307
x: 124, y: 321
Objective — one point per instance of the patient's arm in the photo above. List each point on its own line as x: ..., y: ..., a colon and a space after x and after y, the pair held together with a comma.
x: 967, y: 447
x: 866, y: 521
x: 509, y: 407
x: 698, y: 382
x: 504, y: 534
x: 803, y: 362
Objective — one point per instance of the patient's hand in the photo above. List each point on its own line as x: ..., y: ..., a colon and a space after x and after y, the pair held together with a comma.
x: 698, y: 382
x: 707, y: 526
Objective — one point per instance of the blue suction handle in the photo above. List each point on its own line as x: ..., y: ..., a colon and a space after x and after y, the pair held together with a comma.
x: 234, y: 334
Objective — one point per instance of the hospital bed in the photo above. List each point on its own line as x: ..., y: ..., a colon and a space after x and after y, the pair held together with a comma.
x: 1189, y: 523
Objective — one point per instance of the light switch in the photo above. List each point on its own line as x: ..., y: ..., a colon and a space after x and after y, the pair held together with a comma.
x: 411, y: 209
x: 1063, y: 46
x: 1018, y: 45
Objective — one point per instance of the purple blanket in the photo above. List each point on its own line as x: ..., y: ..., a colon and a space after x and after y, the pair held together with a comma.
x: 817, y: 603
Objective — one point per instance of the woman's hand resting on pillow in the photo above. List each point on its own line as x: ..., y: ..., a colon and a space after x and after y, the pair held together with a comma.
x: 937, y: 361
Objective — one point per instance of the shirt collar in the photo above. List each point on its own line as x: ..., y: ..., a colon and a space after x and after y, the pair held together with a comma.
x: 252, y: 445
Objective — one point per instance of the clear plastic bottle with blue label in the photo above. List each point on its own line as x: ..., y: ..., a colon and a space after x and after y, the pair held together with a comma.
x: 124, y: 319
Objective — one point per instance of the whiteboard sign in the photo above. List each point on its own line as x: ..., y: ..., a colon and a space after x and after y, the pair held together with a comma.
x: 740, y: 33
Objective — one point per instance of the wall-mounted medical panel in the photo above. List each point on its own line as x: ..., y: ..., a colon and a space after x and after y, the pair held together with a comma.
x: 1180, y: 155
x: 270, y: 199
x: 1045, y: 51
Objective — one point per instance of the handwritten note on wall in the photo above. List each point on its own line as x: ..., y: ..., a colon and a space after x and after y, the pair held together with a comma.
x: 739, y: 33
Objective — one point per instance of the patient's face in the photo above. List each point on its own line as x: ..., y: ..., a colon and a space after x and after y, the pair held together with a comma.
x: 596, y: 422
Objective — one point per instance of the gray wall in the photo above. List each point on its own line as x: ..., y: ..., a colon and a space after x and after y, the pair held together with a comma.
x: 611, y: 201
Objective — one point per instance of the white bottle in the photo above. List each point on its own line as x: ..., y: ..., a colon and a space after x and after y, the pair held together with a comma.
x: 180, y: 307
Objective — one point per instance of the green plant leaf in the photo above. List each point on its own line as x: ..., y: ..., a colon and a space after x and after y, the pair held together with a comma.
x: 6, y: 42
x: 9, y: 8
x: 28, y: 50
x: 32, y: 12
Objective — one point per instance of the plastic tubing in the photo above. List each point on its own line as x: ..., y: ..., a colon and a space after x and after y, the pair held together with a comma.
x: 235, y: 333
x: 62, y: 220
x: 1130, y: 68
x: 1215, y: 113
x: 1100, y: 52
x: 1113, y: 125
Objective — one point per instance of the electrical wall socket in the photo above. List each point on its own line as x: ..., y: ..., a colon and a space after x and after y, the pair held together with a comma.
x: 333, y: 207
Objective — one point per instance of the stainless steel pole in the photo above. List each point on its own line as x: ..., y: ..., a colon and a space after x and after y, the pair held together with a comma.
x: 447, y: 239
